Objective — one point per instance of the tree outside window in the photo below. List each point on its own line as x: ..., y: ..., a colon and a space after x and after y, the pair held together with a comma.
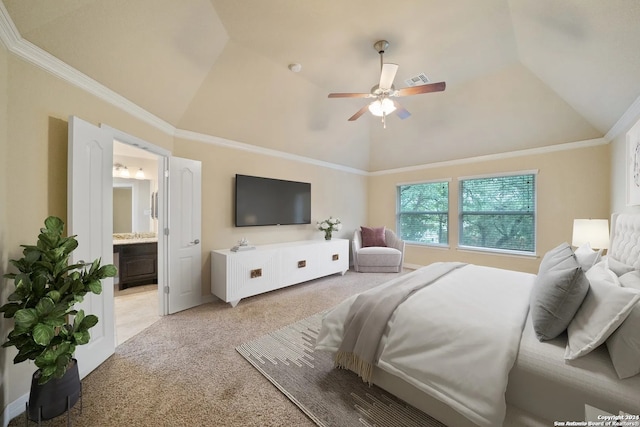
x: 498, y: 213
x: 423, y: 212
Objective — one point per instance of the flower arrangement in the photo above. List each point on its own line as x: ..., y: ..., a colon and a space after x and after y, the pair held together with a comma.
x: 329, y: 226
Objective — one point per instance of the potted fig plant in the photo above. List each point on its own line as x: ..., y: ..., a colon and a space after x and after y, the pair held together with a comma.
x: 47, y: 328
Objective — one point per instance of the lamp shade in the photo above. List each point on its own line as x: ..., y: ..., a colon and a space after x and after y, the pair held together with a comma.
x: 592, y: 231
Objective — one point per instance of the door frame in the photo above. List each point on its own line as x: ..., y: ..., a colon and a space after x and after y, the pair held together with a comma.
x: 163, y: 247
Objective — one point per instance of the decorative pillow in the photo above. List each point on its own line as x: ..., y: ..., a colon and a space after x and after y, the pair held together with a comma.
x: 630, y: 280
x: 605, y: 307
x: 559, y: 289
x: 624, y: 343
x: 587, y: 257
x: 618, y: 267
x: 372, y: 236
x: 555, y: 255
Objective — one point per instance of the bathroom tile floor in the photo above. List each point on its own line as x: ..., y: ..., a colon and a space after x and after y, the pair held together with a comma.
x: 136, y: 309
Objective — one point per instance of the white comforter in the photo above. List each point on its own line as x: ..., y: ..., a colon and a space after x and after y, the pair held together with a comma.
x: 456, y: 339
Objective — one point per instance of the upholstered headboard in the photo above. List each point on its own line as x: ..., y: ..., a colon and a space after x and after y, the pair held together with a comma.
x: 625, y: 239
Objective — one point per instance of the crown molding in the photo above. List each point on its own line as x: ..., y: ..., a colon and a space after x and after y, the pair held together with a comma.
x: 624, y: 123
x: 500, y: 156
x: 31, y: 53
x: 9, y: 34
x: 222, y: 142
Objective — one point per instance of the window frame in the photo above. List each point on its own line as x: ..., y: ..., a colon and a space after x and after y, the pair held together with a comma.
x: 533, y: 253
x: 448, y: 213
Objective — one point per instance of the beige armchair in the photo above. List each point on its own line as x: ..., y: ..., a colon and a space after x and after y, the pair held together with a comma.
x: 378, y: 259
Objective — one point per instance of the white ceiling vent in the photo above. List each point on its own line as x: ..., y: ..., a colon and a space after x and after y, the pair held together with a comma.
x: 420, y: 79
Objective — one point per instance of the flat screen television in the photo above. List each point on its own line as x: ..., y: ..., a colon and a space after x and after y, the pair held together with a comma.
x: 268, y: 201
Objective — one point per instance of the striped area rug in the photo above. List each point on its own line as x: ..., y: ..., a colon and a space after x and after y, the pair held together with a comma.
x: 330, y: 397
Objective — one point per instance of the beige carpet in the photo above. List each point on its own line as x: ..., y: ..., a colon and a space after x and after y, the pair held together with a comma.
x: 184, y: 370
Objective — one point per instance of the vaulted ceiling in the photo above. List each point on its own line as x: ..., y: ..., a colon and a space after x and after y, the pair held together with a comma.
x: 520, y: 73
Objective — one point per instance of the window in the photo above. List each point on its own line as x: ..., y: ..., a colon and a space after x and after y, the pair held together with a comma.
x: 423, y: 212
x: 498, y: 213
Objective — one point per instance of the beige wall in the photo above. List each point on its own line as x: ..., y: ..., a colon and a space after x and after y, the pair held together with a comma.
x: 4, y: 142
x: 35, y: 160
x: 571, y: 184
x: 333, y: 193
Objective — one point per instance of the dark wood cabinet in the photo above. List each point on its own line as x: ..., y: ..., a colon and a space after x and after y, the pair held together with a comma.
x: 138, y: 264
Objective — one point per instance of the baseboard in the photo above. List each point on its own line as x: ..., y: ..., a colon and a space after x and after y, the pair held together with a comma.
x: 14, y: 409
x: 205, y: 299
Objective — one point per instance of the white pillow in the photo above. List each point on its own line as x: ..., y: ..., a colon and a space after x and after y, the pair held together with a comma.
x: 624, y: 343
x: 604, y: 308
x: 630, y: 280
x: 587, y: 257
x: 618, y: 267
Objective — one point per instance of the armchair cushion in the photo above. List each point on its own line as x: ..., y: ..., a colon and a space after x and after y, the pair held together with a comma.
x: 373, y: 236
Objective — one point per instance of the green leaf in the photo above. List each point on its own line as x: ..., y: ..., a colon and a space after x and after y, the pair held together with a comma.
x: 77, y: 321
x: 69, y: 244
x: 94, y: 266
x: 46, y: 242
x: 54, y: 224
x: 10, y: 309
x: 82, y: 337
x: 45, y: 306
x: 108, y: 270
x: 27, y: 355
x: 39, y: 286
x: 23, y: 285
x: 54, y: 295
x: 95, y: 286
x: 88, y: 322
x: 42, y: 334
x: 26, y: 318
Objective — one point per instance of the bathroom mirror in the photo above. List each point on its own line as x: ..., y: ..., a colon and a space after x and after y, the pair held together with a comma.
x: 132, y: 206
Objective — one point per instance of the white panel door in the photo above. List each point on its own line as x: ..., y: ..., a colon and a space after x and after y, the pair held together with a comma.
x: 90, y: 218
x: 185, y: 251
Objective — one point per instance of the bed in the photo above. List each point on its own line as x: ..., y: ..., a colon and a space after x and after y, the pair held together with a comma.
x: 471, y: 346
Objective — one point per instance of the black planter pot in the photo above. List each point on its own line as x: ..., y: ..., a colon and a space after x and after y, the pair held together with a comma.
x: 55, y: 397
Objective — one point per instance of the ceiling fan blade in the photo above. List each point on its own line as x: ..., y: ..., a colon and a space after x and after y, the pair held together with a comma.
x: 387, y: 75
x: 349, y: 95
x: 360, y: 112
x: 415, y: 90
x: 401, y: 111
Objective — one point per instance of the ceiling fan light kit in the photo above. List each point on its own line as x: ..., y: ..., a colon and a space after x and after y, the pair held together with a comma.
x: 383, y: 105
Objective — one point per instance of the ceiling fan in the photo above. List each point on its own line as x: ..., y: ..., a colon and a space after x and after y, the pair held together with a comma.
x: 383, y: 105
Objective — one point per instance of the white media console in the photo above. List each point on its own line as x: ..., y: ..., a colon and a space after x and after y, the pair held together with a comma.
x: 237, y: 275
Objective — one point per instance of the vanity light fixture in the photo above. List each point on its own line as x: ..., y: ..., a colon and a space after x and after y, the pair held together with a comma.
x: 117, y: 169
x: 140, y: 174
x: 124, y: 173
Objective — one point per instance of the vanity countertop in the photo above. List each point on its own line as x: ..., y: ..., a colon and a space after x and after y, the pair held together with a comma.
x: 134, y: 238
x: 135, y: 241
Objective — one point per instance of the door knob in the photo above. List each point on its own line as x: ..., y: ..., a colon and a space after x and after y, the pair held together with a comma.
x: 195, y: 242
